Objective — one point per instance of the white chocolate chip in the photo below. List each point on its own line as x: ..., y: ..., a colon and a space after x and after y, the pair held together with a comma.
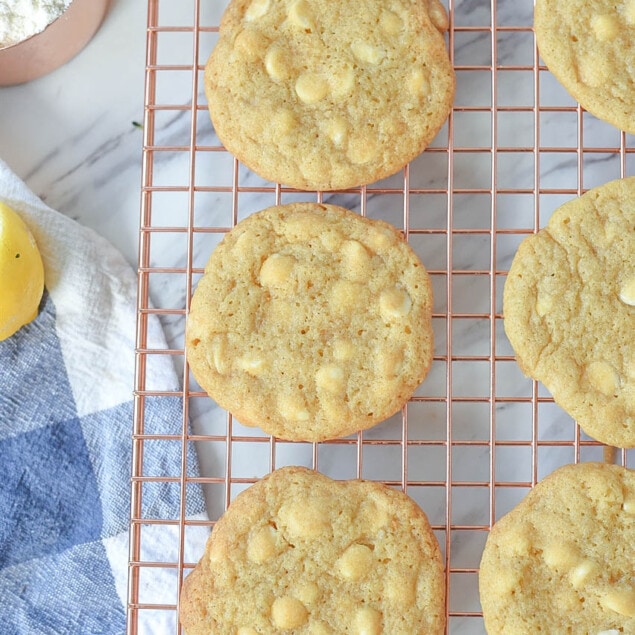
x: 305, y: 225
x: 218, y: 357
x: 401, y: 590
x: 243, y: 246
x: 356, y: 261
x: 257, y: 9
x: 355, y: 562
x: 605, y: 27
x: 331, y: 240
x: 418, y: 83
x: 582, y: 573
x: 611, y: 631
x: 594, y: 70
x: 603, y: 378
x: 507, y: 581
x: 620, y: 601
x: 251, y: 43
x: 629, y: 12
x: 367, y: 53
x: 311, y: 87
x: 315, y: 167
x: 376, y: 515
x: 394, y: 303
x: 293, y: 408
x: 337, y: 131
x: 390, y: 362
x: 627, y: 292
x: 628, y: 506
x: 331, y: 379
x: 319, y: 628
x: 544, y: 303
x: 333, y: 407
x: 287, y: 612
x: 276, y: 271
x: 300, y: 15
x: 362, y: 149
x: 519, y: 542
x: 390, y: 23
x: 304, y: 520
x: 308, y: 593
x: 217, y: 552
x: 277, y: 64
x: 380, y: 240
x: 560, y: 556
x: 438, y: 16
x: 343, y: 350
x: 283, y: 122
x: 261, y: 545
x: 367, y: 622
x: 252, y: 365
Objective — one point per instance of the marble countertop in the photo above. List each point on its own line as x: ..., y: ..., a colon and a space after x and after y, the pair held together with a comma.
x: 72, y: 137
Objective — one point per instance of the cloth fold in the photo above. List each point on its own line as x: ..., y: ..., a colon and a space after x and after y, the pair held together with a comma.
x: 66, y: 411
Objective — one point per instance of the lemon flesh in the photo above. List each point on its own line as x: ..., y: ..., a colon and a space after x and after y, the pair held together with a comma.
x: 21, y: 273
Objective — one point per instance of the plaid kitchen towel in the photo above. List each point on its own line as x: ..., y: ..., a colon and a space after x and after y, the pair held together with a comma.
x: 65, y: 442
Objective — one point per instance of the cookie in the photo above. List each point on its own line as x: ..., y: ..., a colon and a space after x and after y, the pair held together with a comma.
x: 300, y: 553
x: 569, y: 310
x: 563, y: 560
x: 324, y: 94
x: 589, y: 45
x: 311, y: 322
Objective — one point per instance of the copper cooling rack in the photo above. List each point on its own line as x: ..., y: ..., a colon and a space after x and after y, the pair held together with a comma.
x: 477, y: 435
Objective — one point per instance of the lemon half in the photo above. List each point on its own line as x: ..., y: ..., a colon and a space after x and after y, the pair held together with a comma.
x: 21, y: 273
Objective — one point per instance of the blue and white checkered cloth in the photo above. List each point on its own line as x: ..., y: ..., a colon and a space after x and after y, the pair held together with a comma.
x: 66, y: 384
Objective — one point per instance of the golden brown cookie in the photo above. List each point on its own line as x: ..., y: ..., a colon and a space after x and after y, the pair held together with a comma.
x: 311, y: 322
x: 300, y: 553
x: 569, y: 308
x: 563, y: 560
x: 589, y: 45
x: 324, y: 94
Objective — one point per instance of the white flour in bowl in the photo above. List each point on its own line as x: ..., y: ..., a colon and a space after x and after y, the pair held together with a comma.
x: 20, y: 19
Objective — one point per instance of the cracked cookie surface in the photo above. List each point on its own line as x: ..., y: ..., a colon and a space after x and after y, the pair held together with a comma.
x: 562, y: 561
x: 311, y: 322
x: 324, y: 94
x: 300, y: 553
x: 589, y: 45
x: 569, y: 310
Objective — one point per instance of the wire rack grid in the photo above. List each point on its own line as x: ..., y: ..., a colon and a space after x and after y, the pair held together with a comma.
x: 477, y: 435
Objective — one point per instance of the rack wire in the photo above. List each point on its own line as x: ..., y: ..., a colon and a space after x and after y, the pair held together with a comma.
x: 477, y: 435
